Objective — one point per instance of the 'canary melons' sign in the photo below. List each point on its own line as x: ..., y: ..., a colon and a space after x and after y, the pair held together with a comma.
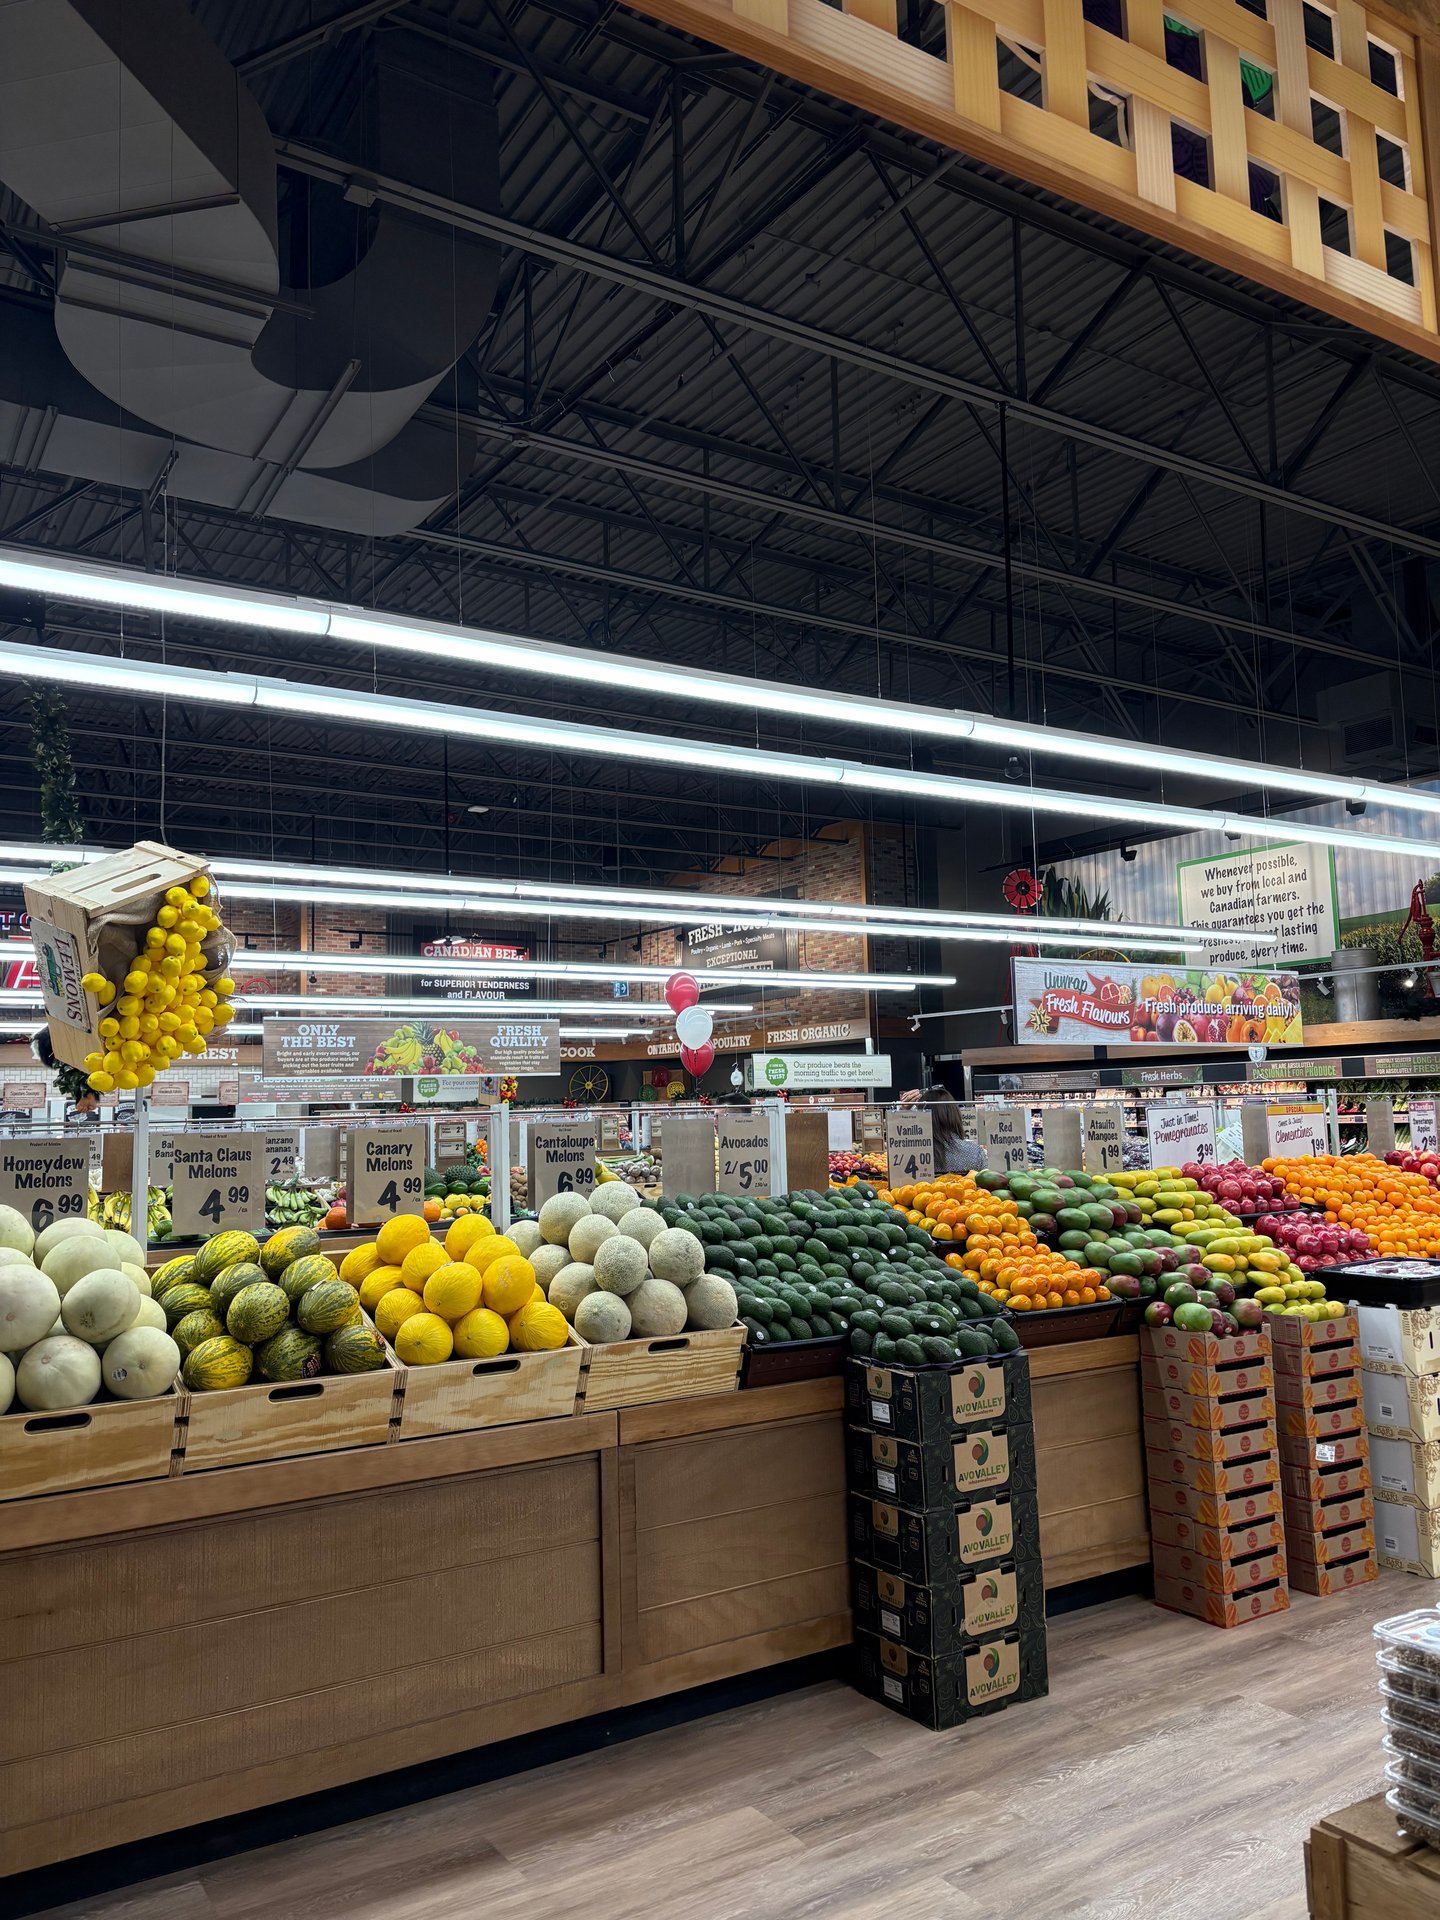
x: 1097, y: 1003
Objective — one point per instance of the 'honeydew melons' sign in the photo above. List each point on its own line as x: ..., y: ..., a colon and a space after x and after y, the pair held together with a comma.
x: 333, y: 1044
x: 45, y: 1180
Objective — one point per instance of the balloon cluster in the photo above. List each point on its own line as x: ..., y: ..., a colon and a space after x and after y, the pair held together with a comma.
x: 693, y: 1026
x: 166, y: 1004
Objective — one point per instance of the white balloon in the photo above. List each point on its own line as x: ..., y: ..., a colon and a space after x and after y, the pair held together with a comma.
x: 693, y: 1026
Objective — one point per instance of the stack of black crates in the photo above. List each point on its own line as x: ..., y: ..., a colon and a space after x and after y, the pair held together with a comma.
x: 946, y: 1581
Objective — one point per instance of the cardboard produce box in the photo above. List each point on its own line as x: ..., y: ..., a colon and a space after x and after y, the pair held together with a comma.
x: 1220, y: 1609
x: 940, y: 1546
x: 1311, y: 1451
x: 1213, y: 1476
x: 1408, y: 1537
x: 946, y: 1692
x: 1316, y: 1362
x: 1406, y: 1472
x: 942, y: 1469
x: 1402, y: 1406
x: 1223, y: 1510
x: 1182, y: 1564
x: 1205, y: 1349
x: 1201, y: 1380
x: 1321, y: 1581
x: 1325, y: 1516
x: 1316, y: 1390
x: 1314, y: 1483
x: 1326, y: 1549
x: 1204, y: 1410
x: 1216, y: 1444
x: 1241, y: 1542
x: 1400, y: 1339
x: 934, y: 1622
x: 923, y: 1403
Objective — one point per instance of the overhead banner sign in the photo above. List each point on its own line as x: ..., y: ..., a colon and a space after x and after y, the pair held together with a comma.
x: 1284, y: 890
x: 463, y: 987
x: 1065, y: 1003
x: 808, y: 1072
x: 316, y: 1049
x: 734, y: 943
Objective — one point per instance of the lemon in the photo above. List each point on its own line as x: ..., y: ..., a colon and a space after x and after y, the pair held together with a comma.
x: 397, y: 1306
x: 509, y: 1284
x: 465, y: 1232
x: 420, y: 1263
x: 424, y: 1340
x: 401, y: 1236
x: 453, y: 1290
x: 376, y: 1284
x: 481, y: 1335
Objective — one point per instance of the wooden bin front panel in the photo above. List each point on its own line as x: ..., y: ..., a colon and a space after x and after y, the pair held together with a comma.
x: 684, y: 1366
x: 734, y: 1533
x: 265, y: 1654
x: 239, y: 1424
x: 96, y: 1446
x: 1090, y: 1459
x: 513, y: 1387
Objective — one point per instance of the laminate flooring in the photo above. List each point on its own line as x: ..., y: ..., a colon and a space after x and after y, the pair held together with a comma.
x: 1172, y: 1774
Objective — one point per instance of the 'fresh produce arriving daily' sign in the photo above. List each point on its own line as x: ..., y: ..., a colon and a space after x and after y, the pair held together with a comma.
x: 1065, y: 1003
x: 312, y: 1049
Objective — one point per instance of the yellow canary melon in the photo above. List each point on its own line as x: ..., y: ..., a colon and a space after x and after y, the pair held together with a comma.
x: 468, y: 1228
x: 480, y: 1335
x: 398, y: 1306
x: 453, y: 1290
x: 424, y: 1340
x: 509, y: 1283
x: 418, y: 1265
x: 376, y: 1284
x: 537, y: 1328
x: 401, y: 1236
x: 360, y: 1263
x: 483, y: 1252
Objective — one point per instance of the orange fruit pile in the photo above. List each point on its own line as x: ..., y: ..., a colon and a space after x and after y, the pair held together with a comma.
x: 1399, y: 1211
x: 999, y: 1249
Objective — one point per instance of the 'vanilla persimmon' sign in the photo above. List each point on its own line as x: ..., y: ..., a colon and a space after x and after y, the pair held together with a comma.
x: 1097, y: 1003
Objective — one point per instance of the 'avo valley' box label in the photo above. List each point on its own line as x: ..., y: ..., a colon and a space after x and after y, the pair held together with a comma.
x: 984, y: 1530
x: 992, y: 1671
x: 991, y: 1601
x: 982, y: 1460
x: 978, y: 1392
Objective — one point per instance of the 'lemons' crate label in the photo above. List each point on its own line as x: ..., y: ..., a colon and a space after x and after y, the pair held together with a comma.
x: 219, y: 1184
x: 45, y: 1180
x: 386, y: 1173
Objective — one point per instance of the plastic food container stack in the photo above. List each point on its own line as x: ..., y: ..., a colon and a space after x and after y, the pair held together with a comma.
x: 1409, y: 1661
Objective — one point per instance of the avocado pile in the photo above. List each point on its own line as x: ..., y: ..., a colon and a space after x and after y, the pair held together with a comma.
x: 811, y: 1266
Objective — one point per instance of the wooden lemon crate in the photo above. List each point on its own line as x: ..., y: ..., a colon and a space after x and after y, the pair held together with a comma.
x: 261, y: 1421
x: 64, y: 915
x: 678, y: 1366
x: 1359, y: 1863
x: 101, y: 1445
x: 460, y: 1394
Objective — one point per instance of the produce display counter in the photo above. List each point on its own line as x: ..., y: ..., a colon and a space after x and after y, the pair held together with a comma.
x: 270, y: 1629
x: 1358, y: 1863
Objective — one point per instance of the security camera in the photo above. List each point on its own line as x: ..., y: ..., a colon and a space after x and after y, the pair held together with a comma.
x: 914, y: 1023
x: 1355, y: 806
x: 1014, y: 768
x: 1127, y: 853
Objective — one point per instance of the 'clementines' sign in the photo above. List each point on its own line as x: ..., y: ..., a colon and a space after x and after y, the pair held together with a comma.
x: 1069, y: 1003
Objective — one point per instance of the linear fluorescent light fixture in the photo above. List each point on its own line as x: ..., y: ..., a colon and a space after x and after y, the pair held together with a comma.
x: 189, y: 686
x: 355, y: 886
x: 60, y: 577
x: 401, y: 963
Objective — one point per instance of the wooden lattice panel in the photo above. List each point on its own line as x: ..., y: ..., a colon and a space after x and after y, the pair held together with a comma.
x: 1235, y: 158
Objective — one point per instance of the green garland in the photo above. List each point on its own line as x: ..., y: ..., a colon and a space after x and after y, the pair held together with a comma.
x: 60, y: 820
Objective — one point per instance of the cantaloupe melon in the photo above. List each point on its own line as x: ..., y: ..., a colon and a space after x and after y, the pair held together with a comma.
x: 613, y: 1199
x: 140, y: 1363
x: 100, y: 1305
x: 526, y: 1235
x: 62, y: 1230
x: 547, y: 1262
x: 29, y: 1304
x: 16, y: 1231
x: 72, y: 1259
x: 602, y: 1317
x: 570, y: 1286
x: 7, y: 1382
x: 559, y: 1215
x: 656, y: 1308
x: 56, y: 1373
x: 588, y: 1235
x: 642, y: 1224
x: 620, y: 1265
x: 677, y: 1256
x: 710, y: 1302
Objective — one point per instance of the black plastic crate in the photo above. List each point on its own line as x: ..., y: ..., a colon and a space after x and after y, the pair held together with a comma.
x: 948, y: 1691
x: 931, y: 1621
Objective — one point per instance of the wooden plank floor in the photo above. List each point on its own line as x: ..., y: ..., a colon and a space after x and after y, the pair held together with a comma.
x: 1172, y: 1774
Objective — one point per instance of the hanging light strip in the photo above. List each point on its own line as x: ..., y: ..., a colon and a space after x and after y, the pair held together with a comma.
x: 60, y: 577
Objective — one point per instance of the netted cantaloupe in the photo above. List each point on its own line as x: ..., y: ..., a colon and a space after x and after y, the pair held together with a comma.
x: 547, y: 1262
x: 710, y: 1302
x: 656, y: 1308
x: 559, y: 1216
x: 613, y: 1199
x: 601, y: 1318
x: 677, y: 1256
x: 527, y: 1235
x: 620, y: 1265
x: 570, y: 1286
x: 588, y: 1235
x: 642, y: 1224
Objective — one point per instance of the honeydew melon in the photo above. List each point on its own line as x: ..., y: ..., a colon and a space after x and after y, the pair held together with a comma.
x: 7, y: 1382
x: 140, y: 1363
x: 149, y: 1313
x: 100, y: 1305
x: 29, y: 1304
x: 138, y: 1274
x: 60, y: 1230
x: 58, y: 1372
x: 71, y: 1260
x: 16, y: 1232
x: 125, y: 1247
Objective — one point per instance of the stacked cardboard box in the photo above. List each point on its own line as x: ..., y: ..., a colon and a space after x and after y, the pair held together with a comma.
x: 1329, y: 1509
x: 1213, y: 1464
x: 946, y: 1582
x: 1400, y: 1355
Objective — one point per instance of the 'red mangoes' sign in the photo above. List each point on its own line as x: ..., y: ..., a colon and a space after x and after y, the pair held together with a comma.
x: 1100, y: 1003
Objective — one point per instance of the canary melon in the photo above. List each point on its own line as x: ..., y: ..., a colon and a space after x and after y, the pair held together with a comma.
x: 398, y: 1306
x: 538, y: 1328
x: 424, y: 1340
x: 401, y: 1236
x: 480, y: 1335
x: 359, y: 1263
x: 375, y: 1286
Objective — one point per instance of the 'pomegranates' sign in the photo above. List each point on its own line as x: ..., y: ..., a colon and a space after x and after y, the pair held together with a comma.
x: 1094, y: 1003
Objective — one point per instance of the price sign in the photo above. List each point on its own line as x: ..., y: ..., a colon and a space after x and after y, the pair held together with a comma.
x: 560, y: 1158
x: 1180, y: 1133
x: 450, y: 1142
x: 322, y: 1153
x: 45, y: 1180
x: 281, y: 1152
x: 162, y: 1158
x: 1424, y: 1134
x: 909, y: 1147
x: 1061, y: 1136
x: 1104, y: 1138
x: 743, y: 1140
x: 1296, y: 1129
x: 386, y: 1173
x: 1004, y: 1133
x: 219, y: 1184
x: 1380, y: 1125
x: 688, y: 1163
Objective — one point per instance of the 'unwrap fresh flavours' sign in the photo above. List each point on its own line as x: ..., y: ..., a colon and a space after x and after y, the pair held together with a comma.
x: 1069, y: 1003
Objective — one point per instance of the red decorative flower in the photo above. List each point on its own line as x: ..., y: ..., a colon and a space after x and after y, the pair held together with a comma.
x: 1022, y: 890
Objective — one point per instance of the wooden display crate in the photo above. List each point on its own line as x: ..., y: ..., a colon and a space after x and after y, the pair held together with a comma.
x: 1357, y: 1862
x: 679, y: 1366
x: 104, y: 1444
x: 261, y: 1421
x: 64, y: 914
x: 459, y: 1395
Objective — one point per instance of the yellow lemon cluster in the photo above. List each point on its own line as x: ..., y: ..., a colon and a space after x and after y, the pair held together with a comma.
x: 163, y: 1007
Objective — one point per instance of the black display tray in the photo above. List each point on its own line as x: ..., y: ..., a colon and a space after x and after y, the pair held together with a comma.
x: 1417, y: 1284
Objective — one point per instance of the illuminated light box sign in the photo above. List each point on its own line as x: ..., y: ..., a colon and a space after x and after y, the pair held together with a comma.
x: 1285, y: 890
x: 1069, y: 1003
x: 316, y: 1049
x: 806, y: 1072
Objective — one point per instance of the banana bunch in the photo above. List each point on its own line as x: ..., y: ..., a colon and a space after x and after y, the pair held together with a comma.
x: 114, y: 1210
x: 290, y: 1203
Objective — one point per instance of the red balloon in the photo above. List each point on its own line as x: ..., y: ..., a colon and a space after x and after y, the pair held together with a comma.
x: 681, y: 990
x: 697, y: 1060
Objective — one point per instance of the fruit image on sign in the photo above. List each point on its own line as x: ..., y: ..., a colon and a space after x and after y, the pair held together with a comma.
x: 1060, y: 1002
x: 992, y: 1662
x: 418, y: 1047
x: 980, y: 1453
x: 988, y: 1588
